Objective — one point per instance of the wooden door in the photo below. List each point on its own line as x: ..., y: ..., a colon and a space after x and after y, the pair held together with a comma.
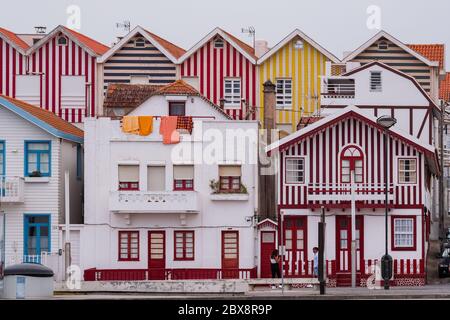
x: 295, y: 235
x: 230, y: 254
x: 343, y: 243
x: 267, y: 246
x: 157, y: 254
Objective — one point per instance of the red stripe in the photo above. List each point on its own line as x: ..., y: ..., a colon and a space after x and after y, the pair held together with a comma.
x: 53, y: 76
x: 7, y: 73
x: 1, y: 60
x: 330, y: 156
x: 188, y: 66
x: 59, y: 80
x: 13, y: 76
x: 221, y: 74
x: 47, y: 80
x: 242, y: 81
x: 228, y: 59
x: 73, y: 58
x: 214, y: 68
x: 208, y: 76
x: 317, y: 159
x: 86, y: 75
x: 201, y: 70
x: 93, y: 77
x: 182, y: 68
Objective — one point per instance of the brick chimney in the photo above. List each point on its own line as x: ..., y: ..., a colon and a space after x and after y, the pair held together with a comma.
x: 269, y: 106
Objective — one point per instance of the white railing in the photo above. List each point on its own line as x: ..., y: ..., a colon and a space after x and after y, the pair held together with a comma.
x: 343, y: 191
x: 148, y: 201
x: 11, y: 189
x: 338, y: 89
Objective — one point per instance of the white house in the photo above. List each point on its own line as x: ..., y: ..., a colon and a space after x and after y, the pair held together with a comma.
x: 170, y: 211
x: 36, y: 149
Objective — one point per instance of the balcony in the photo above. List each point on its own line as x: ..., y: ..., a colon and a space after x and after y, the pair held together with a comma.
x: 11, y: 189
x: 154, y: 202
x: 338, y: 88
x: 343, y: 192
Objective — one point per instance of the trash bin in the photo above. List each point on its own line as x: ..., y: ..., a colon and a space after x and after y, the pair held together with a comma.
x: 28, y: 280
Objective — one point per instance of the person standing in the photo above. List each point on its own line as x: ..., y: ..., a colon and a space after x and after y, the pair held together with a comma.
x: 275, y: 265
x: 315, y: 264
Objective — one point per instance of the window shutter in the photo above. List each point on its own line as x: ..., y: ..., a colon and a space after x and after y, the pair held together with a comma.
x: 129, y: 173
x: 230, y: 171
x: 156, y: 178
x: 183, y: 172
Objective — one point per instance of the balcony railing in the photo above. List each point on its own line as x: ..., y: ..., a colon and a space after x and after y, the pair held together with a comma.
x: 157, y: 202
x: 11, y: 189
x: 338, y: 90
x: 343, y: 192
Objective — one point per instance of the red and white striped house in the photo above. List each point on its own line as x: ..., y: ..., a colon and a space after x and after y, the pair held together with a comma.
x: 315, y: 168
x: 58, y: 72
x: 223, y: 69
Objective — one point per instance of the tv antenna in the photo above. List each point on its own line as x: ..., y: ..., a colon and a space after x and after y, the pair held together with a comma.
x: 251, y: 32
x: 125, y: 25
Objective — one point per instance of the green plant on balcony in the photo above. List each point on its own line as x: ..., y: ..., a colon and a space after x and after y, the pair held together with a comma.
x: 35, y: 174
x: 215, y: 187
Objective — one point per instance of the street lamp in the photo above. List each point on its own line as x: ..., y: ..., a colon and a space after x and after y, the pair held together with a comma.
x: 386, y: 261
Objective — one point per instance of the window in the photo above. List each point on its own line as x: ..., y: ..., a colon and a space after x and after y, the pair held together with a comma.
x: 37, y: 159
x: 62, y: 41
x: 79, y: 162
x: 2, y: 158
x: 128, y: 245
x: 36, y: 237
x: 218, y: 43
x: 375, y: 81
x: 139, y: 43
x: 407, y: 171
x: 184, y: 245
x: 383, y: 45
x: 138, y: 79
x: 28, y: 88
x: 128, y: 177
x: 403, y: 233
x: 284, y: 93
x: 232, y: 92
x: 177, y: 108
x: 352, y: 160
x: 73, y: 92
x: 230, y: 178
x: 156, y: 178
x: 183, y: 177
x: 295, y: 170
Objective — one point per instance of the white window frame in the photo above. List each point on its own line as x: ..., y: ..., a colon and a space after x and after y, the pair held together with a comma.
x: 232, y: 100
x: 283, y: 96
x: 288, y: 182
x: 401, y: 180
x: 379, y: 88
x: 409, y: 232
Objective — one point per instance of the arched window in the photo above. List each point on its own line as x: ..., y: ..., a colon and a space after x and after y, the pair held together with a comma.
x: 62, y: 41
x: 352, y: 159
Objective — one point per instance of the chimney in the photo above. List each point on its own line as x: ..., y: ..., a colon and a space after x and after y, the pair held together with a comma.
x: 261, y: 47
x: 269, y: 106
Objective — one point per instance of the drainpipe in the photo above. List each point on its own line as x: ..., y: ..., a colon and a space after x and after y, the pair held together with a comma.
x: 67, y: 248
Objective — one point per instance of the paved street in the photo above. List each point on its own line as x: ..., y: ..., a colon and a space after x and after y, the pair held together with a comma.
x: 428, y: 292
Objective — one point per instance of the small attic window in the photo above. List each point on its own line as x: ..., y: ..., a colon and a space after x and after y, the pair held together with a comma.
x: 139, y: 43
x: 218, y: 43
x: 383, y: 45
x: 62, y: 41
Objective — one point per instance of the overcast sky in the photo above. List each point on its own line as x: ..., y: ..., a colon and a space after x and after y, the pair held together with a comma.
x: 338, y: 25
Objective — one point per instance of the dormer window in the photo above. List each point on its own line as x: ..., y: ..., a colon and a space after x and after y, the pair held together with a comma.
x: 139, y: 43
x: 375, y: 81
x: 218, y: 43
x: 62, y: 41
x: 383, y: 45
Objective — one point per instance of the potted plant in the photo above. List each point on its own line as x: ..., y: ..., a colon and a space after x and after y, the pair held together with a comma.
x: 35, y: 174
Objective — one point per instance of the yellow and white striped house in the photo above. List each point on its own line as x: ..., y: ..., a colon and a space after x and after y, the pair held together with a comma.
x: 294, y: 65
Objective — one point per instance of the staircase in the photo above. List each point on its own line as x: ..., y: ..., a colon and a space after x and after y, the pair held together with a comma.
x: 345, y: 279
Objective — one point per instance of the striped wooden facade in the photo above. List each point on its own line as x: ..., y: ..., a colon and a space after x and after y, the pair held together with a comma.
x: 13, y: 62
x: 322, y: 152
x: 53, y: 62
x: 398, y: 58
x: 211, y: 65
x: 130, y: 60
x: 304, y: 66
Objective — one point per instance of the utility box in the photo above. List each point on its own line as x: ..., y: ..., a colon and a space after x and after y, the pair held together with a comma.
x: 28, y: 280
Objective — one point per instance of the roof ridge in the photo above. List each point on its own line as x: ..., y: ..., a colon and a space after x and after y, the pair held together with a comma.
x: 12, y: 36
x: 100, y: 47
x: 177, y: 52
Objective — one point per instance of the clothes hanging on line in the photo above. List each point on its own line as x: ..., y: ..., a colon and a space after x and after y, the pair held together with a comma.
x: 130, y: 124
x: 145, y: 125
x: 186, y: 123
x: 168, y: 129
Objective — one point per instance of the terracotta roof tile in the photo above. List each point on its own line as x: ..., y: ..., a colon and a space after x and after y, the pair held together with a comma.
x: 242, y: 44
x: 92, y: 44
x: 433, y: 52
x: 14, y: 38
x: 119, y: 95
x: 305, y: 121
x: 178, y: 87
x: 444, y: 88
x: 47, y: 116
x: 169, y: 46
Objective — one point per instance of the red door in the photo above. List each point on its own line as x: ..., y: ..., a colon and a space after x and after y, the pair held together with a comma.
x: 343, y: 243
x: 156, y: 254
x: 230, y: 254
x: 267, y: 246
x: 295, y: 260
